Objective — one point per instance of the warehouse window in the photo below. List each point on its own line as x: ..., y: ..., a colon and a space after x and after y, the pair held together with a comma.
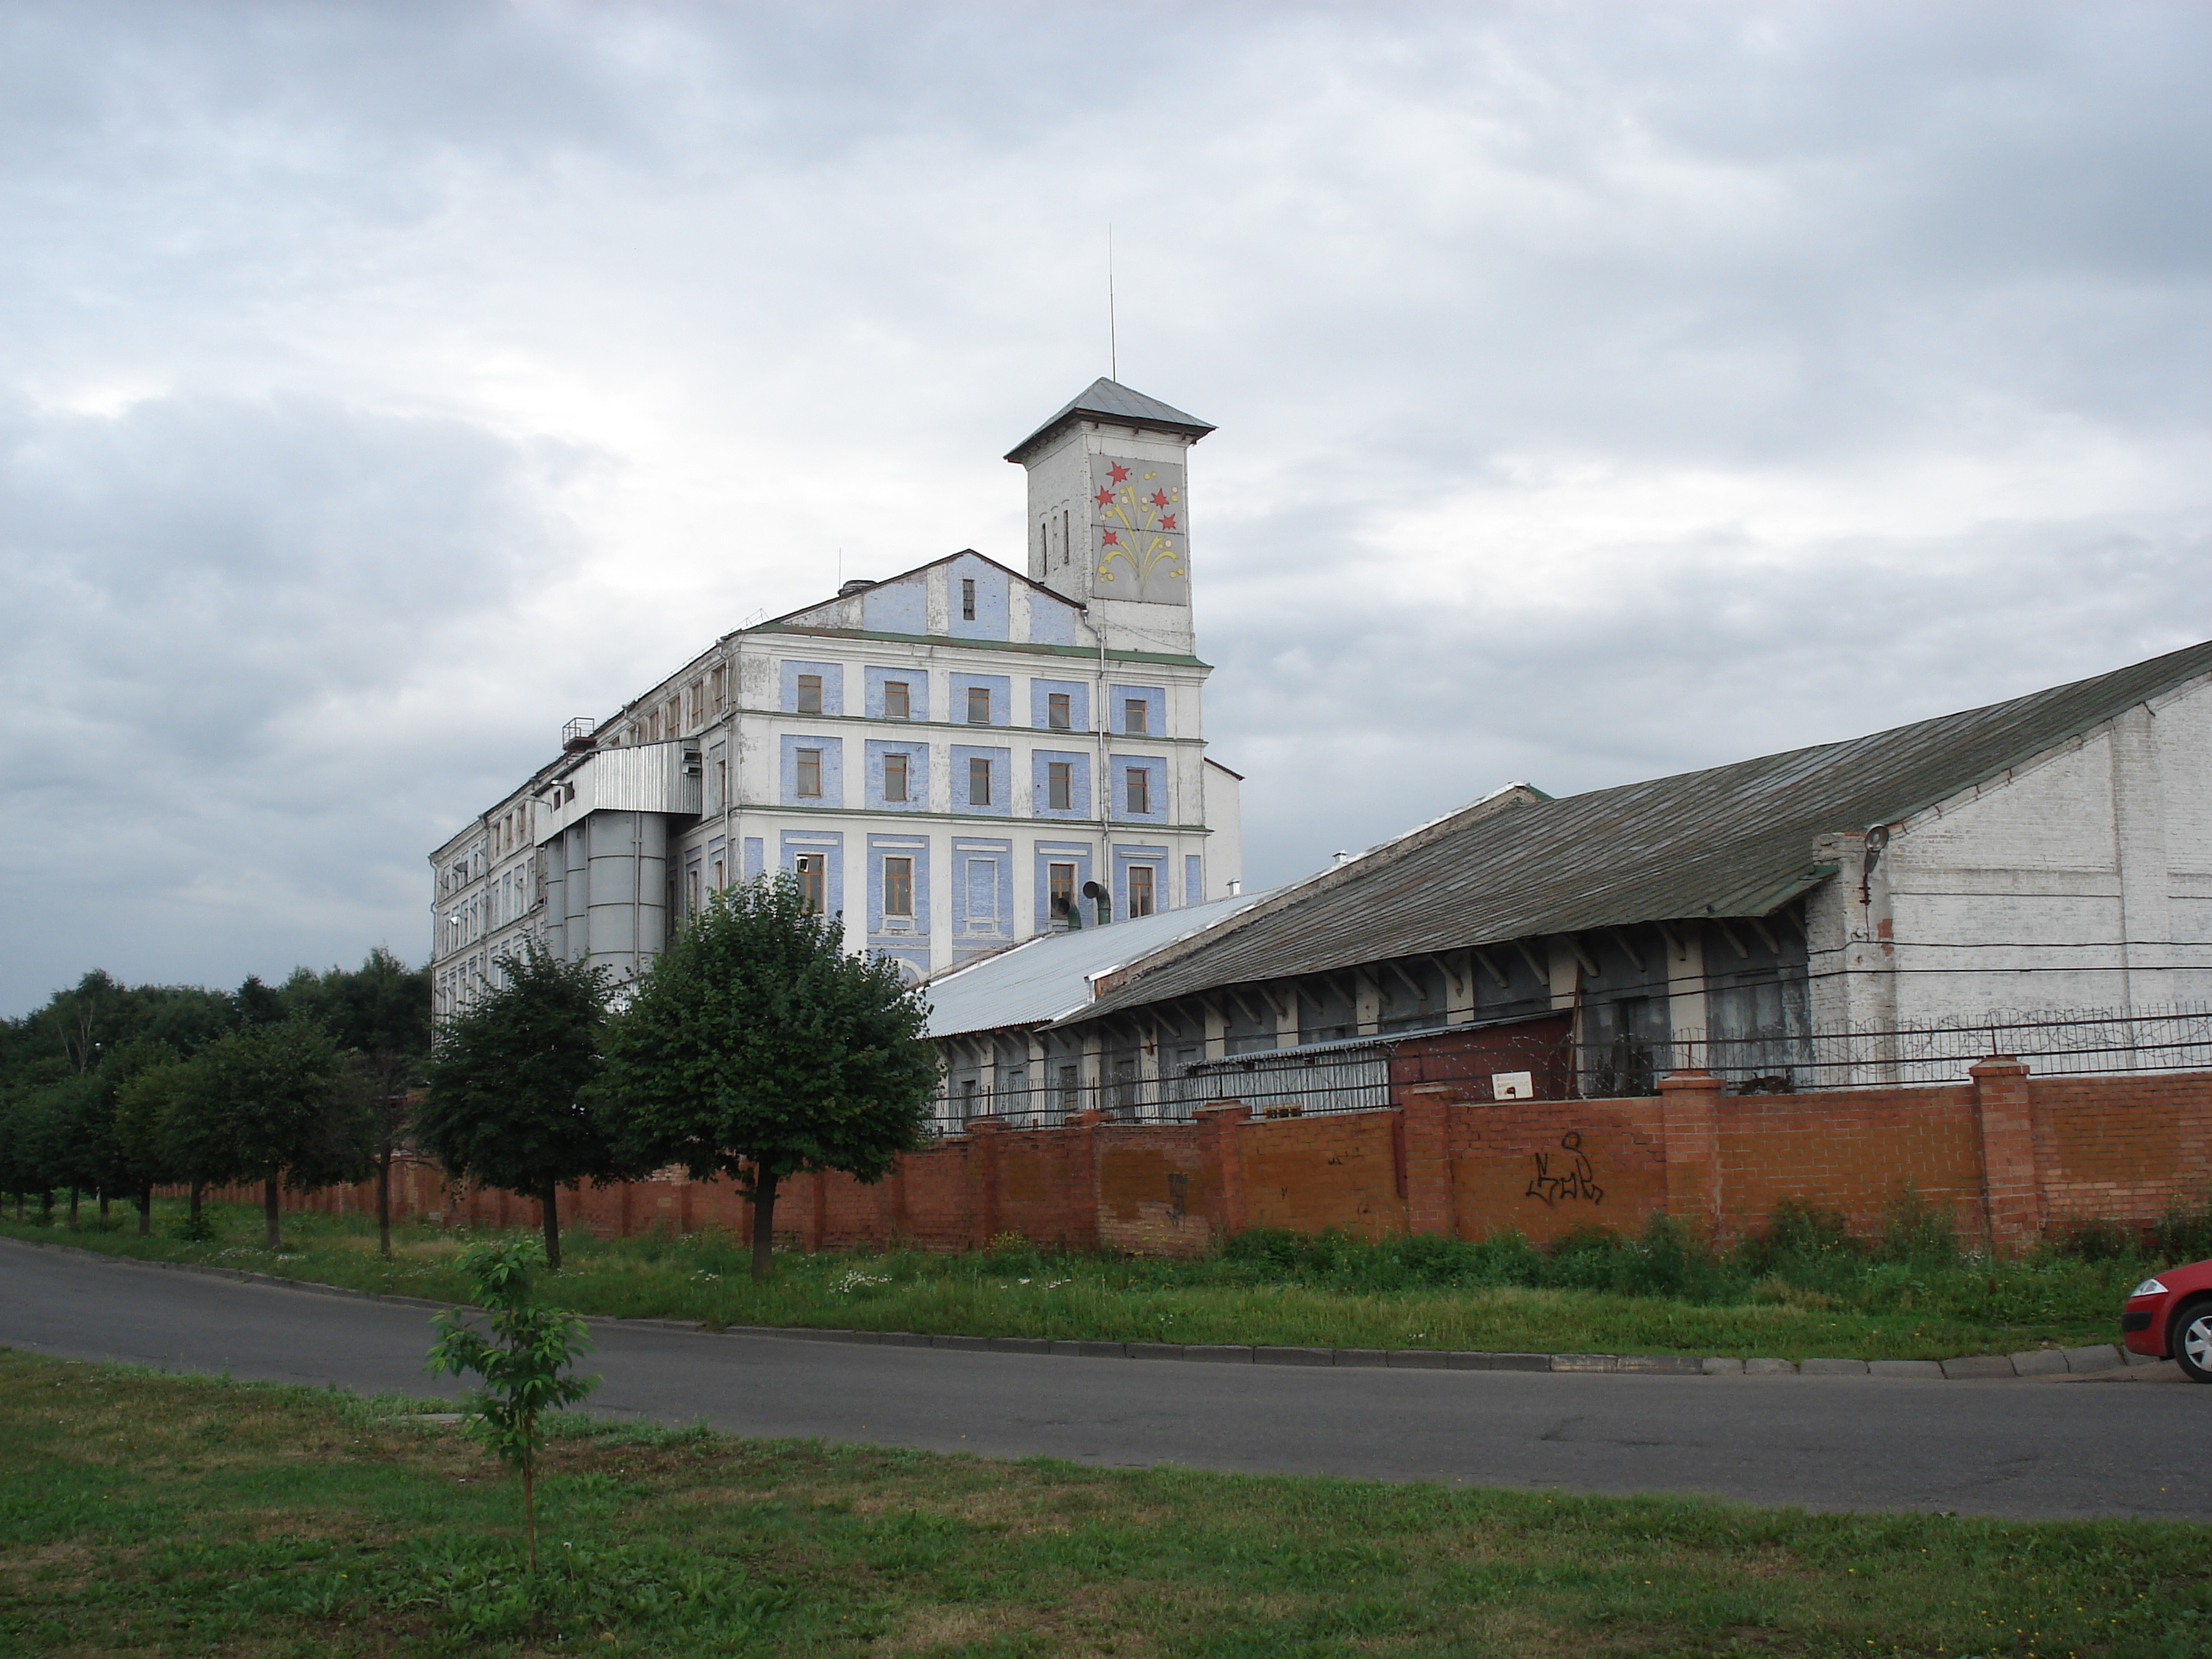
x: 809, y: 769
x: 1056, y: 712
x: 1133, y: 717
x: 979, y: 705
x: 812, y: 870
x: 898, y: 887
x: 809, y: 694
x: 895, y: 777
x: 1139, y: 792
x: 979, y: 782
x: 1141, y: 890
x: 967, y: 599
x: 896, y: 702
x: 1058, y: 790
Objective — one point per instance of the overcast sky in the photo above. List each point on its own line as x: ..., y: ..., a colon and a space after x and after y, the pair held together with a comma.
x: 1604, y: 390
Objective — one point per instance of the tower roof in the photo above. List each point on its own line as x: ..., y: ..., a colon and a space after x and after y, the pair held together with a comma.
x: 1109, y: 400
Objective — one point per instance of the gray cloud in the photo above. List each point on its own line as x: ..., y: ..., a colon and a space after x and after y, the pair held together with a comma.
x: 1604, y: 390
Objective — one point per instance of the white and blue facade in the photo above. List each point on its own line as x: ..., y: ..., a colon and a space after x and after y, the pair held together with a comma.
x: 945, y: 758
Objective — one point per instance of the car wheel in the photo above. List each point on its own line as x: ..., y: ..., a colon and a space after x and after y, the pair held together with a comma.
x: 2192, y: 1341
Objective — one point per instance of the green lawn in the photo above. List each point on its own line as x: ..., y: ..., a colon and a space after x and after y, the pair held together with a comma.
x: 149, y: 1515
x: 1654, y: 1296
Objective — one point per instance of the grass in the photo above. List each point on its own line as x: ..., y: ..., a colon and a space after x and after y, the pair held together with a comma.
x: 147, y: 1515
x: 1804, y: 1289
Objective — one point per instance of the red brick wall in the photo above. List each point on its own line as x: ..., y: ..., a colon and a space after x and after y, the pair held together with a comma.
x: 2009, y: 1155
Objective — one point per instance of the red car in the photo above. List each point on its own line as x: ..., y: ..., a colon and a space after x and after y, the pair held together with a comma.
x: 2170, y: 1317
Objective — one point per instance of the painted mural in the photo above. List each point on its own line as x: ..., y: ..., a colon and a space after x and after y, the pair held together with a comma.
x: 1137, y: 524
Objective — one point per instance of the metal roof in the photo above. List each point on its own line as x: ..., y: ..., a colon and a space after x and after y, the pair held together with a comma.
x: 1109, y: 400
x: 1733, y: 841
x: 1051, y: 974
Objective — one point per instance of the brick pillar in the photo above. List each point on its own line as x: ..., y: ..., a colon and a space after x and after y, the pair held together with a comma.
x: 981, y: 1179
x: 2012, y: 1195
x: 1690, y: 1110
x: 1421, y: 1118
x: 1222, y: 1127
x: 817, y: 1210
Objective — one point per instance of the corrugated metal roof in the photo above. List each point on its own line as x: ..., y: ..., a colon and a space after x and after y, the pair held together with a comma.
x: 1733, y: 841
x: 1050, y: 974
x: 1111, y: 400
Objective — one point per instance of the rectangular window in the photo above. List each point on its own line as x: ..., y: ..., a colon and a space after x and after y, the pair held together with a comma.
x: 1056, y: 715
x: 898, y: 887
x: 967, y: 599
x: 719, y: 679
x: 1141, y: 890
x: 895, y: 703
x: 979, y: 705
x: 698, y: 694
x: 719, y: 880
x: 1059, y: 886
x: 979, y: 781
x: 809, y: 768
x: 809, y: 694
x: 1134, y: 715
x: 895, y: 777
x: 1058, y: 790
x: 691, y: 892
x: 812, y: 870
x: 675, y: 717
x: 1139, y: 796
x: 721, y: 783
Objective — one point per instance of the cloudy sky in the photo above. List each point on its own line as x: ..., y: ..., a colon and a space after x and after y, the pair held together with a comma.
x: 1604, y: 390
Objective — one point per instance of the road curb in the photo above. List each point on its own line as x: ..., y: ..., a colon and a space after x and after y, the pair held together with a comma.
x: 2039, y: 1362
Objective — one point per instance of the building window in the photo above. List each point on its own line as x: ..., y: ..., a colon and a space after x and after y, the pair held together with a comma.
x: 896, y: 706
x: 979, y: 705
x: 898, y: 887
x: 1141, y: 890
x: 1060, y: 888
x: 967, y: 599
x: 812, y: 870
x: 1058, y: 788
x: 1056, y: 713
x: 718, y: 879
x: 809, y: 694
x: 810, y: 772
x: 675, y: 716
x: 895, y: 777
x: 691, y: 892
x: 698, y: 695
x: 1139, y: 792
x: 1134, y: 716
x: 979, y: 781
x: 1071, y: 1090
x: 720, y: 680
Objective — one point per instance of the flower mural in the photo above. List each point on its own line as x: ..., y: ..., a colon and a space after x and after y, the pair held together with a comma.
x: 1138, y: 519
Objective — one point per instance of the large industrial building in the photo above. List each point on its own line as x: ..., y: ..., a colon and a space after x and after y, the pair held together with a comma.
x: 951, y: 760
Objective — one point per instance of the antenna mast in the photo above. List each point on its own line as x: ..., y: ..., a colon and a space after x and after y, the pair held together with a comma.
x: 1113, y: 337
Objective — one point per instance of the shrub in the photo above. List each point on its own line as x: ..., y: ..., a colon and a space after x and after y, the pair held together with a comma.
x: 1913, y: 1229
x: 1798, y: 1233
x: 2184, y: 1233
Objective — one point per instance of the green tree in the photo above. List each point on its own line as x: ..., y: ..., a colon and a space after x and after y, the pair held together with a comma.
x: 757, y: 1048
x: 382, y: 1010
x: 152, y: 1076
x: 523, y: 1362
x: 503, y: 1104
x: 272, y: 1103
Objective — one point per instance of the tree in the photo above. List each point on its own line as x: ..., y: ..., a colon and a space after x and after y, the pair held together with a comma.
x: 272, y: 1103
x: 755, y: 1047
x: 145, y: 1101
x: 503, y: 1104
x: 382, y: 1010
x: 524, y: 1363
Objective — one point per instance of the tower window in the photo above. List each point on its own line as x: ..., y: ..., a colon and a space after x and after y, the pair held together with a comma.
x: 809, y: 694
x: 979, y: 705
x: 894, y: 777
x: 1141, y: 890
x: 1134, y: 716
x: 1138, y: 793
x: 898, y: 887
x: 979, y: 781
x: 1057, y: 714
x: 967, y: 599
x: 812, y: 870
x: 896, y: 706
x: 809, y: 771
x: 1059, y: 787
x: 1060, y: 889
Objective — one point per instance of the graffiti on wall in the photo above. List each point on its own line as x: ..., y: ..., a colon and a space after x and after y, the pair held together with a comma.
x: 1565, y: 1173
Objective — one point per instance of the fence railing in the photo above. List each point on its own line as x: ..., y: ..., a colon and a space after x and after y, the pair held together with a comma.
x: 1356, y: 1076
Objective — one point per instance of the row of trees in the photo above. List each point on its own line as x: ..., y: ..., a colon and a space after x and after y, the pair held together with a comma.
x: 114, y: 1090
x: 754, y: 1049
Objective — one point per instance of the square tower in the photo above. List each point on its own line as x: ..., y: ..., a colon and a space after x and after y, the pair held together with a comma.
x: 1109, y: 514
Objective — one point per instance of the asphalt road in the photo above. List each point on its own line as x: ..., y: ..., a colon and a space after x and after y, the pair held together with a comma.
x: 2026, y: 1448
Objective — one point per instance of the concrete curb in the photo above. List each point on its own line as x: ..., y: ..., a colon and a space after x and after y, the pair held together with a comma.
x: 2040, y: 1362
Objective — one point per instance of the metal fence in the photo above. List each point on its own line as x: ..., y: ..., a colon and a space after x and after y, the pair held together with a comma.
x: 1354, y: 1076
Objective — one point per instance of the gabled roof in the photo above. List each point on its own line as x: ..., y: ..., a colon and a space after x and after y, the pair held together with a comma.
x: 1733, y: 840
x: 1051, y: 974
x: 1109, y: 400
x: 774, y: 625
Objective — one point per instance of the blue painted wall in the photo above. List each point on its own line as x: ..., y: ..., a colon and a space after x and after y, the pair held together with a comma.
x: 1153, y: 858
x: 830, y: 842
x: 1194, y: 878
x: 899, y: 607
x: 983, y: 890
x: 1156, y: 709
x: 756, y: 856
x: 917, y: 691
x: 1000, y: 687
x: 833, y: 770
x: 906, y: 847
x: 833, y: 685
x: 1002, y: 780
x: 1117, y: 797
x: 1079, y: 703
x: 990, y: 623
x: 1051, y: 853
x: 1052, y: 619
x: 917, y: 776
x: 1078, y: 783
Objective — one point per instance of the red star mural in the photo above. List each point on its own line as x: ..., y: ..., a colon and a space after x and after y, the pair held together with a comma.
x: 1121, y: 474
x: 1105, y: 498
x: 1137, y: 512
x: 1157, y: 498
